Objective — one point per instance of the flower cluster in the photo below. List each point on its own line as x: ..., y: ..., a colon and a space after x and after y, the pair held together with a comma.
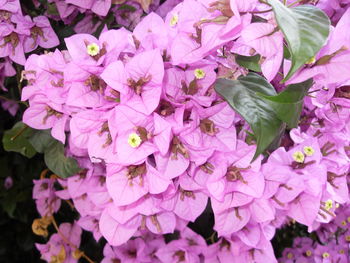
x: 333, y: 245
x: 139, y: 112
x: 20, y: 34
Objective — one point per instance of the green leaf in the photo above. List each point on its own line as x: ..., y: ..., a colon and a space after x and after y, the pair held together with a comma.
x: 52, y: 9
x: 242, y: 95
x: 305, y: 28
x: 16, y: 140
x: 9, y: 206
x: 127, y: 7
x: 57, y: 162
x: 289, y: 103
x: 251, y: 63
x: 266, y: 112
x: 54, y: 156
x: 41, y: 139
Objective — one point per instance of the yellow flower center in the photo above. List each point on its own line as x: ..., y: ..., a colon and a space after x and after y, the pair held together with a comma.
x: 343, y: 223
x: 174, y: 19
x: 311, y: 61
x: 348, y: 219
x: 308, y: 253
x: 347, y: 238
x: 328, y: 204
x: 298, y: 156
x: 93, y: 49
x: 290, y: 255
x: 325, y: 255
x: 341, y: 251
x: 134, y: 140
x: 308, y: 150
x: 199, y: 73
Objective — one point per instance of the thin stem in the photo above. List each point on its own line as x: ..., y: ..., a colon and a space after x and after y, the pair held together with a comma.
x: 19, y: 77
x: 70, y: 204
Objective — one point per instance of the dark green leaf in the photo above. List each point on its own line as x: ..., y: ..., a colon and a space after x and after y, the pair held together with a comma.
x: 289, y: 103
x: 305, y: 29
x: 15, y: 140
x: 266, y: 112
x: 41, y: 139
x: 54, y: 156
x: 52, y: 9
x: 127, y: 7
x: 9, y: 206
x: 58, y: 163
x: 242, y: 95
x: 251, y: 63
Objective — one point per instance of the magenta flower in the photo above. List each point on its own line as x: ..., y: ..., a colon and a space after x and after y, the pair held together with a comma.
x: 99, y: 7
x: 139, y: 82
x: 41, y: 34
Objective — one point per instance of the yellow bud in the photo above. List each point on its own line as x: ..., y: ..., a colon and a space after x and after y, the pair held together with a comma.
x: 328, y: 204
x: 174, y: 19
x: 325, y: 255
x: 309, y: 151
x: 290, y: 255
x: 93, y: 49
x: 298, y: 156
x: 311, y: 61
x: 134, y: 140
x: 199, y: 73
x: 308, y: 253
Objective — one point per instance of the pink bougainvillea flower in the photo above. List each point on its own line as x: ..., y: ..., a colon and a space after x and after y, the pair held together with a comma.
x: 139, y: 82
x: 12, y: 41
x: 128, y: 184
x: 41, y: 34
x: 189, y: 202
x: 151, y: 32
x: 57, y: 246
x: 99, y: 7
x: 231, y: 220
x: 138, y: 137
x: 87, y: 51
x: 45, y: 115
x: 177, y: 250
x: 263, y: 39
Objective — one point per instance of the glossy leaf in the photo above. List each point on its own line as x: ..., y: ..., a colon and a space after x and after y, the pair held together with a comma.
x: 243, y: 96
x: 251, y: 63
x: 305, y: 28
x: 41, y: 139
x: 16, y: 140
x: 54, y: 156
x: 266, y: 111
x: 289, y: 103
x: 58, y: 163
